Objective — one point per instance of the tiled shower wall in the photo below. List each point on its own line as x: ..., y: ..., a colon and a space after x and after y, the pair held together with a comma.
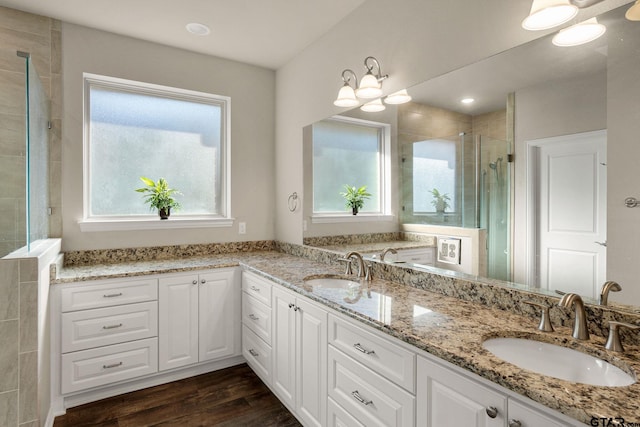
x: 41, y: 37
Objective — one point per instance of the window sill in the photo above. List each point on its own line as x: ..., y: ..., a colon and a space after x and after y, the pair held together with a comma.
x: 361, y: 217
x: 91, y: 225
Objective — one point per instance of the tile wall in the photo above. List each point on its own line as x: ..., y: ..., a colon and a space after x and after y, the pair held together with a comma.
x: 41, y: 37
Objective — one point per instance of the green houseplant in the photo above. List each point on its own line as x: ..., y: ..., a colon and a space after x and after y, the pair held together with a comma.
x: 355, y: 197
x: 440, y: 201
x: 159, y: 196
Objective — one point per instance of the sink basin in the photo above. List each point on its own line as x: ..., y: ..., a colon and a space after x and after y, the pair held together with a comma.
x: 558, y: 362
x: 332, y: 282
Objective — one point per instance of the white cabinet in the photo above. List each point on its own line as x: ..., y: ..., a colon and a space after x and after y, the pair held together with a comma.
x: 448, y: 398
x: 299, y: 341
x: 199, y: 318
x: 107, y: 332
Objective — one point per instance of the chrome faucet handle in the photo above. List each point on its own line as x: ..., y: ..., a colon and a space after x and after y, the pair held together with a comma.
x: 368, y: 276
x: 609, y: 286
x: 349, y: 270
x: 545, y: 321
x: 613, y: 342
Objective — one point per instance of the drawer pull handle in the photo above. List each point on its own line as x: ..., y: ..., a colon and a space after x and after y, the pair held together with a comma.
x: 113, y: 365
x: 253, y: 288
x: 119, y: 294
x: 253, y: 317
x: 356, y: 395
x: 361, y: 349
x: 112, y: 326
x: 254, y: 353
x: 492, y: 411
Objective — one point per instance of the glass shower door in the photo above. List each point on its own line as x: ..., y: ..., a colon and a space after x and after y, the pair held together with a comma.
x: 494, y: 206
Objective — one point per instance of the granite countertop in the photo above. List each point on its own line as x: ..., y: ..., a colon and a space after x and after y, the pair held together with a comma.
x: 445, y: 327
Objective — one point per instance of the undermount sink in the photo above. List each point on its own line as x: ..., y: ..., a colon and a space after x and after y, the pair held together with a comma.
x: 332, y: 282
x: 558, y: 362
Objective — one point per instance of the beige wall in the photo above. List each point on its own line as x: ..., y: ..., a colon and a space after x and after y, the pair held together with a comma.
x: 252, y: 94
x: 414, y: 40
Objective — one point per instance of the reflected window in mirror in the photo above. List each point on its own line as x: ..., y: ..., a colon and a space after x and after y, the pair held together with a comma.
x: 352, y: 152
x: 434, y: 168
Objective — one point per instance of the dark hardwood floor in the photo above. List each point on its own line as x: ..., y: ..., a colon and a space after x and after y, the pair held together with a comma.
x: 231, y: 397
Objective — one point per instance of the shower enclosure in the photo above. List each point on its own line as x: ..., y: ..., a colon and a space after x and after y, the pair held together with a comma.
x: 24, y: 188
x: 471, y: 174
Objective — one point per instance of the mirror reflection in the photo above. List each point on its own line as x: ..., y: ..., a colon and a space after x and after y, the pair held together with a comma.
x: 516, y: 177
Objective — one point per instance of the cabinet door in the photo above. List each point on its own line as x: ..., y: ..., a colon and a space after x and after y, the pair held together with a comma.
x: 529, y: 417
x: 446, y: 398
x: 219, y: 315
x: 177, y: 321
x: 311, y: 363
x: 283, y: 334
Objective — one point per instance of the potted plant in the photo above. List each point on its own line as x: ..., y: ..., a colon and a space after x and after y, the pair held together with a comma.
x: 355, y: 197
x: 159, y: 196
x: 440, y: 201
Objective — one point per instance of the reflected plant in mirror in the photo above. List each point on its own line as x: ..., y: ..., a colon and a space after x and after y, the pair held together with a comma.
x: 529, y: 163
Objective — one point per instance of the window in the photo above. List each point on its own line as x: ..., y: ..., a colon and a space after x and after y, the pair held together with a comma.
x: 350, y: 152
x: 434, y: 167
x: 135, y: 129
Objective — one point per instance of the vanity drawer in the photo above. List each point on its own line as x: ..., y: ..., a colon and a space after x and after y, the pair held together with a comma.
x: 111, y: 325
x: 108, y: 294
x: 257, y: 317
x: 258, y: 287
x: 99, y: 366
x: 257, y: 353
x: 369, y: 398
x: 338, y: 417
x: 387, y: 359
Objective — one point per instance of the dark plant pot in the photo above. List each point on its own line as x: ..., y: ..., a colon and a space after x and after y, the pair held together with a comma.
x: 164, y: 213
x: 354, y: 210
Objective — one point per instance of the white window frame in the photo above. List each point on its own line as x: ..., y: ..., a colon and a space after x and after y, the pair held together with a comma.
x: 151, y: 222
x: 385, y: 214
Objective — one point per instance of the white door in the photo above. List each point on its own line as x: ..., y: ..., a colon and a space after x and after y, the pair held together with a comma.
x: 572, y: 213
x: 311, y: 363
x: 218, y: 314
x: 177, y: 321
x: 283, y: 333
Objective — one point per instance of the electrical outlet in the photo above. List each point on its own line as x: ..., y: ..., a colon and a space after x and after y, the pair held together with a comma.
x: 242, y: 228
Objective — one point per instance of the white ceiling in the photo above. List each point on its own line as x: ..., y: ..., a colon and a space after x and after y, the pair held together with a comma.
x: 266, y: 33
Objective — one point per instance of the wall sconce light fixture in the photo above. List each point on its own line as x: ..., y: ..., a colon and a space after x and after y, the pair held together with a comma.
x: 374, y: 106
x: 578, y: 34
x: 370, y: 88
x: 547, y: 14
x: 346, y: 95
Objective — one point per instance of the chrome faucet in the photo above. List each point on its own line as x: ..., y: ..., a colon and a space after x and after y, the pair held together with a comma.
x: 386, y: 251
x: 361, y: 266
x: 580, y: 330
x: 609, y: 286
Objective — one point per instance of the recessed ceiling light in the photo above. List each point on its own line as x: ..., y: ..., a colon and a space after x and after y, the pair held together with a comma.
x: 198, y: 29
x: 467, y: 100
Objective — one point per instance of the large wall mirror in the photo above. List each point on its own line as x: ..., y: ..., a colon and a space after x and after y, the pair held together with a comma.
x: 526, y: 161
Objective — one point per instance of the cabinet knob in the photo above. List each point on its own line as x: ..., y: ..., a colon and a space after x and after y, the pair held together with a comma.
x: 492, y: 411
x: 515, y: 423
x: 203, y: 281
x: 291, y: 305
x: 195, y: 282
